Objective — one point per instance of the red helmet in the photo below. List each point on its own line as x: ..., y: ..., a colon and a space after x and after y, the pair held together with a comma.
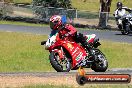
x: 55, y: 22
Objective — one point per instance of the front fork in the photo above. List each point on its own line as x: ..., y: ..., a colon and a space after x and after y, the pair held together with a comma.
x: 60, y: 53
x: 120, y: 27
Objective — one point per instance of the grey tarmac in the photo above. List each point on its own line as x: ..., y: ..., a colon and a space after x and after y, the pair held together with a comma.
x: 115, y: 36
x: 71, y: 73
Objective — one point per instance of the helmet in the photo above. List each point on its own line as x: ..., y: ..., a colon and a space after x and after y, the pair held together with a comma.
x: 119, y: 5
x: 55, y: 22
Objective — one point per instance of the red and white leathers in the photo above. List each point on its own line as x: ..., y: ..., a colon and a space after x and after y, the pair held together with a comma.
x: 67, y: 30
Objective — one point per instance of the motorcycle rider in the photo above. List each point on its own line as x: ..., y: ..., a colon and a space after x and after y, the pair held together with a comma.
x: 58, y: 23
x: 119, y: 13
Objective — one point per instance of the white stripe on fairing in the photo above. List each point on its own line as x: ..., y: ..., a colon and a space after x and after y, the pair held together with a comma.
x: 92, y: 35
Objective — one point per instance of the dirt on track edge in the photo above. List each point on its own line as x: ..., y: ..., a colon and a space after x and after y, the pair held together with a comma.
x: 21, y: 81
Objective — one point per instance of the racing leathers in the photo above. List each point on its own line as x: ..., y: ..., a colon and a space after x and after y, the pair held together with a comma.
x: 68, y: 30
x: 119, y: 13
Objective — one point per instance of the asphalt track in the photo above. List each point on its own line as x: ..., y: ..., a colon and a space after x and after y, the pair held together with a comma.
x: 115, y: 36
x: 71, y: 73
x: 103, y: 35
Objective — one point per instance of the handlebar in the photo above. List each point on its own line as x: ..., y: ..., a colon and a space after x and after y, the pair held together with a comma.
x: 65, y: 37
x: 43, y: 42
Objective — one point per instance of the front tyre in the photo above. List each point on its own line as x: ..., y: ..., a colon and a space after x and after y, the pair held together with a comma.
x: 101, y: 64
x: 59, y: 65
x: 125, y: 31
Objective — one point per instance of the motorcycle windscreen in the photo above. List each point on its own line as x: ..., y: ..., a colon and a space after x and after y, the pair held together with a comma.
x: 51, y: 39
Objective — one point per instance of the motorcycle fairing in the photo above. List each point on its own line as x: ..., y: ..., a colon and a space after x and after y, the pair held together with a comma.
x: 77, y: 52
x: 90, y: 38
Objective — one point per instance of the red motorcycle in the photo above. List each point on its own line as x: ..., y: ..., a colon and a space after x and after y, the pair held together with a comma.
x: 66, y: 54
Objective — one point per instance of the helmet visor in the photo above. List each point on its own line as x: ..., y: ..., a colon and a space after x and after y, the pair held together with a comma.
x: 53, y: 24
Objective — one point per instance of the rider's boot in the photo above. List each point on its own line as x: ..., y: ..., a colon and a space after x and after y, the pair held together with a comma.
x: 89, y: 48
x: 83, y: 41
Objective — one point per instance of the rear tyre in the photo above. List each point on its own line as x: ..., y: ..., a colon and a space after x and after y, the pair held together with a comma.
x: 101, y: 65
x: 57, y: 63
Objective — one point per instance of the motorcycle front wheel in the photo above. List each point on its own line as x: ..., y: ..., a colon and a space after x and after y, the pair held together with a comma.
x: 101, y: 64
x: 125, y: 31
x: 59, y: 65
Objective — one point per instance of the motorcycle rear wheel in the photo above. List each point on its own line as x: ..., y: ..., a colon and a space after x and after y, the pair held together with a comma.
x: 102, y: 64
x: 54, y: 60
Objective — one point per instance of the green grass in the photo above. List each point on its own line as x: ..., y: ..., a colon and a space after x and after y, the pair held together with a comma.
x: 22, y: 1
x: 85, y: 86
x: 23, y: 53
x: 108, y: 86
x: 22, y: 23
x: 89, y: 5
x: 118, y: 54
x: 46, y: 86
x: 93, y: 5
